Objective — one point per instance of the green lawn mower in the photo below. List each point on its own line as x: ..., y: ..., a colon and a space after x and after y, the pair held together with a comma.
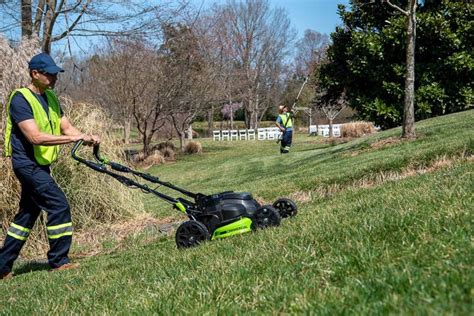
x: 211, y: 217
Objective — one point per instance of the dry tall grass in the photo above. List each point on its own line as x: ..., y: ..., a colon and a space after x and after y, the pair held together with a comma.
x: 14, y: 68
x: 357, y: 129
x: 94, y: 197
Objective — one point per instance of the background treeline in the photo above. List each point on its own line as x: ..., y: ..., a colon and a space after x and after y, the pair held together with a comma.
x: 164, y: 66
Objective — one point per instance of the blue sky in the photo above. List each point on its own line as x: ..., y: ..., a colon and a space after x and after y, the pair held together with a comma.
x: 318, y: 15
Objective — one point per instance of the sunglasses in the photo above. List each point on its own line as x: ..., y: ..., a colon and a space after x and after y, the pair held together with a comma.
x: 46, y: 73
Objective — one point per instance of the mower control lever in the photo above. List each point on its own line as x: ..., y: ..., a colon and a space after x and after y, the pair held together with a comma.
x: 113, y: 165
x: 90, y: 164
x: 97, y: 155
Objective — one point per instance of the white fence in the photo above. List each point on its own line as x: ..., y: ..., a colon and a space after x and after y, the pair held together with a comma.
x: 270, y: 133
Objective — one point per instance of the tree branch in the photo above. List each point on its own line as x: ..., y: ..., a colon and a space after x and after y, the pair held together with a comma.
x: 72, y: 8
x: 396, y: 7
x: 39, y: 17
x: 70, y: 28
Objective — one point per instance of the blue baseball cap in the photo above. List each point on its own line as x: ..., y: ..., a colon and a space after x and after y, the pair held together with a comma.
x: 44, y: 62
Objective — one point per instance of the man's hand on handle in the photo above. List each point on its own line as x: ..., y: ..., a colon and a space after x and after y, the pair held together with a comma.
x: 89, y: 140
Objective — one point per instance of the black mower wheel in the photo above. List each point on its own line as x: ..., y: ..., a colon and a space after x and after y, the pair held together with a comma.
x: 286, y: 207
x: 266, y: 216
x: 191, y: 234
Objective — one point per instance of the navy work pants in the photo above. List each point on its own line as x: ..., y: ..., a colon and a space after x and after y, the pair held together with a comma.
x: 39, y: 192
x: 286, y: 140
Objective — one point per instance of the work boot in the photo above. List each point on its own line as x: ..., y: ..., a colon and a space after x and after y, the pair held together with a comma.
x: 67, y: 266
x: 6, y: 276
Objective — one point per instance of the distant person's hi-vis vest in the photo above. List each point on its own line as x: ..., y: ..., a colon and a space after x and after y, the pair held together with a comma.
x: 47, y: 123
x: 286, y: 120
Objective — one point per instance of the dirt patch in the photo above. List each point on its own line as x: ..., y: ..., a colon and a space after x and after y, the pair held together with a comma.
x: 301, y: 196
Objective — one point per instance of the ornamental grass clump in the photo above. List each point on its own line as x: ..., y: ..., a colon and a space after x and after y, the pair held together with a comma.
x: 192, y: 148
x: 357, y: 129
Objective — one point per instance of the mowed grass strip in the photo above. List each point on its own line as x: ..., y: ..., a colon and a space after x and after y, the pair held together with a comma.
x: 401, y: 246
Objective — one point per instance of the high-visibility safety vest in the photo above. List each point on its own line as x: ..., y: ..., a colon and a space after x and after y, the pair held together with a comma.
x: 47, y: 123
x: 286, y: 120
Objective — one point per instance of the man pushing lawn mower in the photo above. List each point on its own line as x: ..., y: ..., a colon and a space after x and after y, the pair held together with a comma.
x: 35, y: 128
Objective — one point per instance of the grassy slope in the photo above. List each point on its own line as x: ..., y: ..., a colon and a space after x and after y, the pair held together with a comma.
x: 399, y: 246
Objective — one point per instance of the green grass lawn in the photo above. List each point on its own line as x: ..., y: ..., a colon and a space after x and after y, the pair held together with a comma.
x: 384, y: 227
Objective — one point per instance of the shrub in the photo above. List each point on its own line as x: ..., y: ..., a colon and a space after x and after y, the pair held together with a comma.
x: 357, y: 129
x: 192, y: 148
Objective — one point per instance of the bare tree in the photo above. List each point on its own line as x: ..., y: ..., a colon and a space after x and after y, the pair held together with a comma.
x: 254, y: 40
x: 53, y: 20
x: 223, y: 88
x: 123, y: 79
x: 190, y: 79
x: 310, y: 51
x: 228, y: 113
x: 331, y: 108
x: 310, y: 54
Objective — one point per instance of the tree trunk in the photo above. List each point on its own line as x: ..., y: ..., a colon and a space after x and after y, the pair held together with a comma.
x: 409, y: 104
x: 189, y: 132
x: 146, y: 144
x: 26, y: 19
x: 248, y: 119
x: 210, y: 121
x: 127, y: 126
x: 48, y: 27
x: 182, y: 140
x: 39, y: 17
x: 331, y: 133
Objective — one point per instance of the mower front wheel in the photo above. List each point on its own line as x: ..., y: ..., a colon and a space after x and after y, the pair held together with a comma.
x: 191, y: 234
x: 266, y: 216
x: 286, y: 207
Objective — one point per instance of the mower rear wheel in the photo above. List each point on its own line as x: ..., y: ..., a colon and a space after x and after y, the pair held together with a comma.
x: 191, y: 234
x: 286, y: 207
x: 267, y: 216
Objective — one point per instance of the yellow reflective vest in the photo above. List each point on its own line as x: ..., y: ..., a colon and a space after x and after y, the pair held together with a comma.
x: 286, y: 120
x: 47, y: 123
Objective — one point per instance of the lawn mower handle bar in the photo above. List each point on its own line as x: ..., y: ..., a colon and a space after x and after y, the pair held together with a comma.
x: 121, y: 168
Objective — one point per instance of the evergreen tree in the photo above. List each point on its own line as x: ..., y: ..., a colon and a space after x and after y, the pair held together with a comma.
x: 367, y: 59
